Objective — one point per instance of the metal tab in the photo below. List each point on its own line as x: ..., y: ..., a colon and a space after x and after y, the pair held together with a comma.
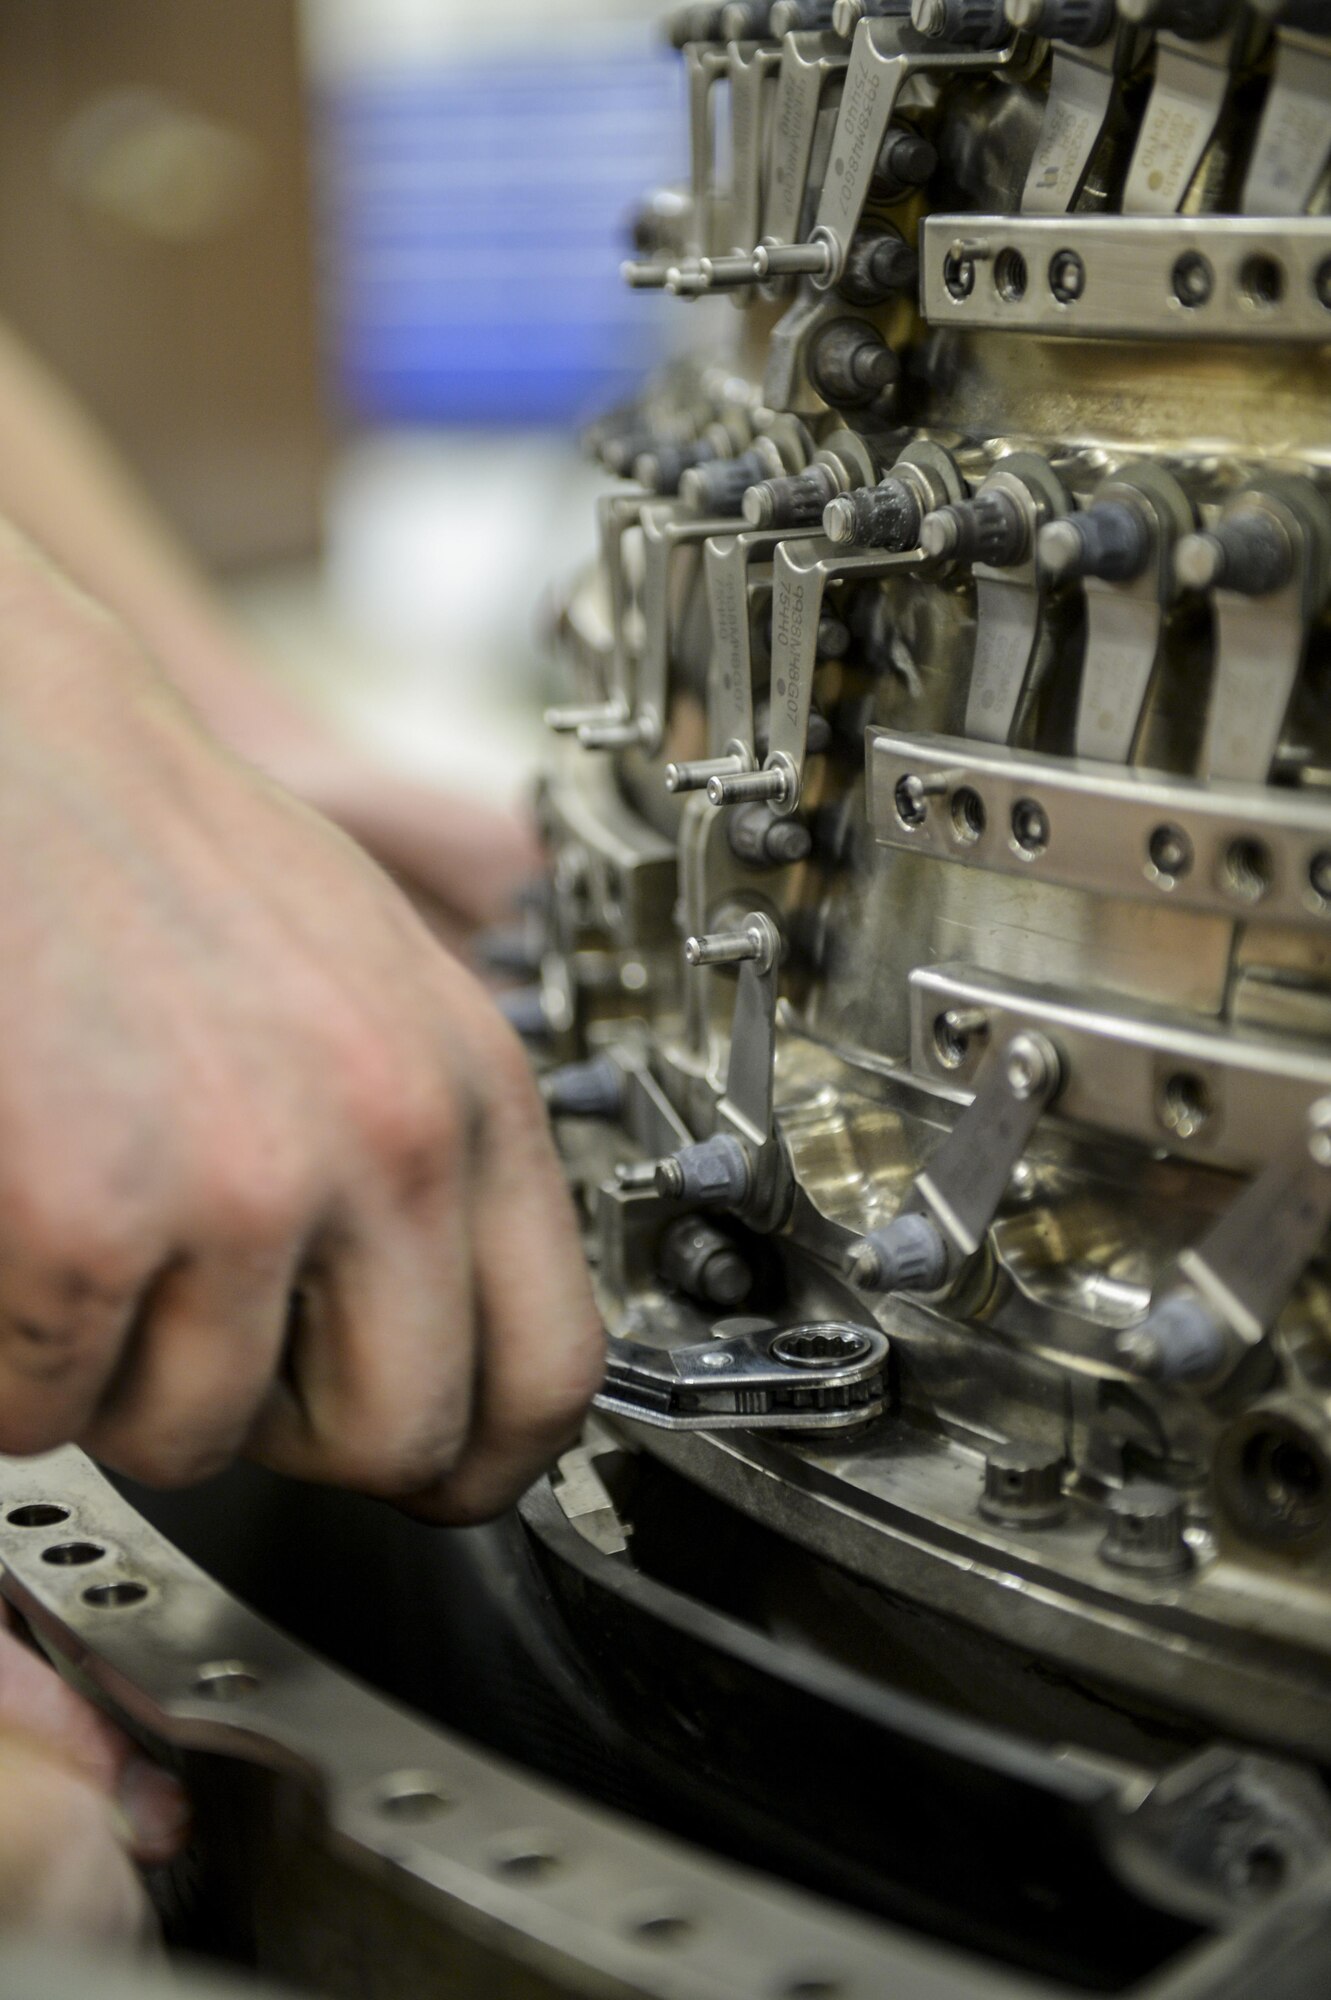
x: 808, y: 63
x: 963, y: 1185
x: 884, y: 55
x: 801, y: 572
x: 1293, y: 140
x: 1083, y: 88
x: 1192, y: 81
x: 753, y: 65
x: 1125, y: 625
x: 726, y: 568
x: 704, y: 66
x: 1260, y: 643
x: 665, y: 534
x: 1009, y: 606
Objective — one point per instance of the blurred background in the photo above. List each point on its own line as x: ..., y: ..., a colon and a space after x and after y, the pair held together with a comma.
x: 340, y: 279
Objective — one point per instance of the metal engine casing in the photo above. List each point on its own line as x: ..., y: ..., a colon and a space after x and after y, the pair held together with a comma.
x: 1033, y: 807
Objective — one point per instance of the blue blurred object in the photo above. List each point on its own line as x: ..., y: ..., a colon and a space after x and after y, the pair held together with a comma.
x: 475, y: 219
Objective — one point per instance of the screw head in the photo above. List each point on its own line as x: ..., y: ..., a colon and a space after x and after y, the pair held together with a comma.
x: 1025, y: 1066
x: 1319, y: 874
x: 1023, y: 1486
x: 1319, y: 1132
x: 1067, y: 273
x: 1030, y: 826
x: 1193, y: 278
x: 1170, y: 852
x: 1146, y: 1523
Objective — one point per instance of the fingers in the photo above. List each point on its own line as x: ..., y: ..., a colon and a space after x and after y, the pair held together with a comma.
x: 198, y: 1366
x: 542, y: 1351
x: 64, y: 1867
x: 38, y: 1706
x: 377, y: 1387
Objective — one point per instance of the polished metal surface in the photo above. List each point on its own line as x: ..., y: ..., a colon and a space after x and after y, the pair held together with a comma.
x: 575, y: 1899
x: 935, y: 982
x: 1069, y: 790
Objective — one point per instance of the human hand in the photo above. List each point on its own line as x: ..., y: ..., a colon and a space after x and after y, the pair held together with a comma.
x: 79, y: 1807
x: 235, y: 1069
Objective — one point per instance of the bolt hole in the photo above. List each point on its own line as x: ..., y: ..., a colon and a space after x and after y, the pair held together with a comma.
x: 968, y: 815
x: 72, y: 1555
x: 958, y: 276
x: 411, y: 1799
x: 1010, y: 275
x: 1170, y: 854
x: 1283, y: 1487
x: 1247, y: 869
x: 816, y: 1988
x: 1264, y: 1867
x: 529, y: 1863
x: 226, y: 1680
x: 37, y: 1514
x: 955, y: 1037
x: 1030, y: 826
x: 115, y: 1596
x: 911, y: 803
x: 1067, y: 276
x: 667, y: 1927
x: 1185, y: 1104
x: 1319, y: 875
x: 1192, y: 279
x: 1261, y: 280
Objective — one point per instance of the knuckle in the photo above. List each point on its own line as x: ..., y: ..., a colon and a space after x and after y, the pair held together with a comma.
x: 412, y: 1125
x: 253, y: 1202
x: 76, y: 1246
x: 168, y: 1462
x: 391, y: 1468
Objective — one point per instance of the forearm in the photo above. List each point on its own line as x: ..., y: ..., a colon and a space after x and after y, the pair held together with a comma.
x: 63, y: 484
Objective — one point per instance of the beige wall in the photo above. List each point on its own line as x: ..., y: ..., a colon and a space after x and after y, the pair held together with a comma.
x: 155, y: 246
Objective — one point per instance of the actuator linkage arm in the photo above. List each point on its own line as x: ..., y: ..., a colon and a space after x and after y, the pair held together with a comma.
x: 951, y: 1204
x: 1226, y: 1292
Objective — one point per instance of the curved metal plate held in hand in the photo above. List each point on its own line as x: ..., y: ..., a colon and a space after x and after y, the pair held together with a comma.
x: 612, y: 1909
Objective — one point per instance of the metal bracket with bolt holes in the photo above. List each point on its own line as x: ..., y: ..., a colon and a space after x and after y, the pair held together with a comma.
x: 1207, y: 1094
x: 579, y: 1898
x: 948, y: 1211
x: 1231, y: 850
x: 1238, y: 1279
x: 817, y: 1377
x: 1192, y: 82
x: 884, y: 56
x: 1125, y: 621
x: 1293, y: 139
x: 1084, y: 86
x: 1116, y: 277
